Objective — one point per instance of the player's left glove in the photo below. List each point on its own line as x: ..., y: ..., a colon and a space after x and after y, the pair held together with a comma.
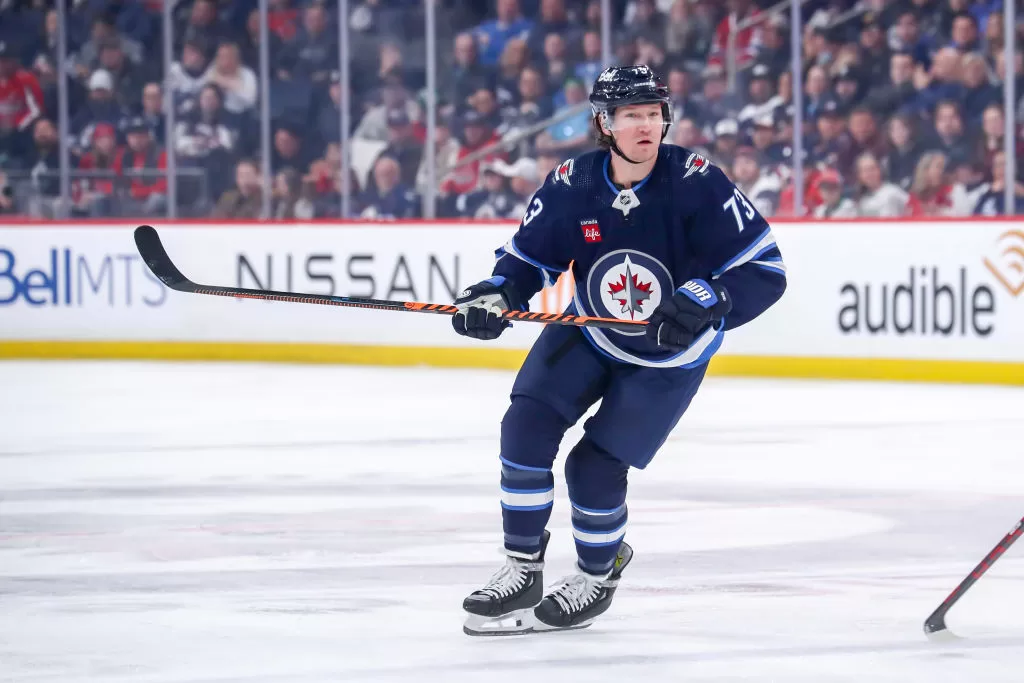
x: 684, y: 316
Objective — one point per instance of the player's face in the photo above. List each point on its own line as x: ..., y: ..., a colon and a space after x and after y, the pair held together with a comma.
x: 637, y: 130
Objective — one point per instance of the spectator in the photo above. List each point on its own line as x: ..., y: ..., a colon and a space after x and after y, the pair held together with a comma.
x: 236, y: 81
x: 245, y: 200
x: 144, y: 163
x: 553, y: 21
x: 152, y: 110
x: 968, y: 185
x: 524, y: 179
x: 94, y: 193
x: 467, y: 73
x: 950, y: 136
x: 685, y: 133
x: 289, y: 149
x: 315, y: 49
x: 476, y: 135
x: 833, y: 204
x: 978, y: 91
x: 847, y: 87
x: 391, y: 95
x: 899, y: 93
x: 249, y: 41
x: 684, y: 103
x: 556, y: 61
x: 725, y: 142
x: 571, y: 136
x: 687, y: 33
x: 590, y: 67
x: 643, y: 18
x: 761, y: 188
x: 993, y: 201
x: 446, y: 150
x: 101, y: 107
x: 492, y: 36
x: 288, y: 202
x: 514, y: 58
x: 905, y: 36
x: 761, y: 96
x: 44, y: 61
x: 87, y: 59
x: 388, y: 198
x: 21, y: 105
x: 203, y: 27
x: 44, y: 169
x: 534, y: 104
x: 875, y: 56
x: 205, y: 140
x: 930, y: 193
x: 864, y: 137
x: 485, y: 103
x: 941, y: 83
x: 747, y: 41
x: 832, y: 143
x: 964, y: 34
x: 990, y: 142
x: 403, y: 146
x: 128, y: 78
x: 904, y: 151
x: 769, y: 151
x: 816, y: 92
x: 188, y: 74
x: 877, y: 198
x: 715, y: 102
x: 493, y: 199
x: 649, y: 50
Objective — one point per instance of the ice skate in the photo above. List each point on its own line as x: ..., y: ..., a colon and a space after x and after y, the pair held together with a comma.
x: 505, y: 605
x: 580, y: 598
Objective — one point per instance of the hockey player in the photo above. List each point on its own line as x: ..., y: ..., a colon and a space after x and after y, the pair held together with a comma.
x: 653, y: 232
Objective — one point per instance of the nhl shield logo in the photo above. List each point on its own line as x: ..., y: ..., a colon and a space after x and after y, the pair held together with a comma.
x: 627, y: 285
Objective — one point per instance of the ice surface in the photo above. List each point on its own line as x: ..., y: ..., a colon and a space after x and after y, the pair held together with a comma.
x: 229, y: 523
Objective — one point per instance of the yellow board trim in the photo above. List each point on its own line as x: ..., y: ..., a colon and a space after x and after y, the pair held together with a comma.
x: 972, y: 372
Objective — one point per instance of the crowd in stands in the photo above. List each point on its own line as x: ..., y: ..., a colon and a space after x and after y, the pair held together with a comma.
x: 902, y: 103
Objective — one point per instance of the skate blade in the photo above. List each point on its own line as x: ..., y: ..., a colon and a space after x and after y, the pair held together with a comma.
x: 540, y: 627
x: 515, y: 623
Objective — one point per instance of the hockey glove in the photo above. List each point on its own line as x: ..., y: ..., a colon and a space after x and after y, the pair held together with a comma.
x: 680, y: 319
x: 480, y: 307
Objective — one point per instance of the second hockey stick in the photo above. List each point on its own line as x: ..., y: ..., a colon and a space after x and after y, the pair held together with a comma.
x: 935, y: 625
x: 153, y: 253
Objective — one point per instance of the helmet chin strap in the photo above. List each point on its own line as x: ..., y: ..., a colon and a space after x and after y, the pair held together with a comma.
x: 615, y: 148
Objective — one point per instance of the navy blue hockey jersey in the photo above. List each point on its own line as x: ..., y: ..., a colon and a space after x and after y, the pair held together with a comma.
x: 631, y: 249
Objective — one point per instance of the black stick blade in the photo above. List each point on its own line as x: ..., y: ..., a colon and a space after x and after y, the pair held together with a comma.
x: 147, y: 241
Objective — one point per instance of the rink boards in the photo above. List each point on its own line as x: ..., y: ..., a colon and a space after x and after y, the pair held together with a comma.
x: 937, y: 300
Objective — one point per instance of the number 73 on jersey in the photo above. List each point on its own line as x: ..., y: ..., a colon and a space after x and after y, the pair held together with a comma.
x: 734, y: 202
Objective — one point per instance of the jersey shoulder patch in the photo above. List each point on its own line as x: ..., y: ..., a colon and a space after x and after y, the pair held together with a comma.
x: 563, y: 172
x: 696, y: 164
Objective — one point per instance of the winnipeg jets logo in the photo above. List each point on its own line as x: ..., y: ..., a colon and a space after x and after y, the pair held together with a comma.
x: 695, y: 163
x: 624, y: 284
x: 630, y: 291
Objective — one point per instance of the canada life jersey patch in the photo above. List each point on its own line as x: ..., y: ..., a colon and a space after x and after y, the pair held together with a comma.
x: 627, y: 285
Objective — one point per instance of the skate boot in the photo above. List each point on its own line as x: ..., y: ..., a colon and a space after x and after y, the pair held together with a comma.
x: 581, y: 598
x: 505, y: 605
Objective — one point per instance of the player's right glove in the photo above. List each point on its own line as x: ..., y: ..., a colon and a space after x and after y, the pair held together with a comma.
x: 680, y: 319
x: 480, y: 307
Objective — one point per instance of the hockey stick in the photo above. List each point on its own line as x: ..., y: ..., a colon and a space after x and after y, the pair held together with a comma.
x: 935, y: 625
x: 153, y: 253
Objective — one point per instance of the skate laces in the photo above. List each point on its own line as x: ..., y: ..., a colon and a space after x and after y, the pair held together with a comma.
x: 507, y: 580
x: 576, y: 592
